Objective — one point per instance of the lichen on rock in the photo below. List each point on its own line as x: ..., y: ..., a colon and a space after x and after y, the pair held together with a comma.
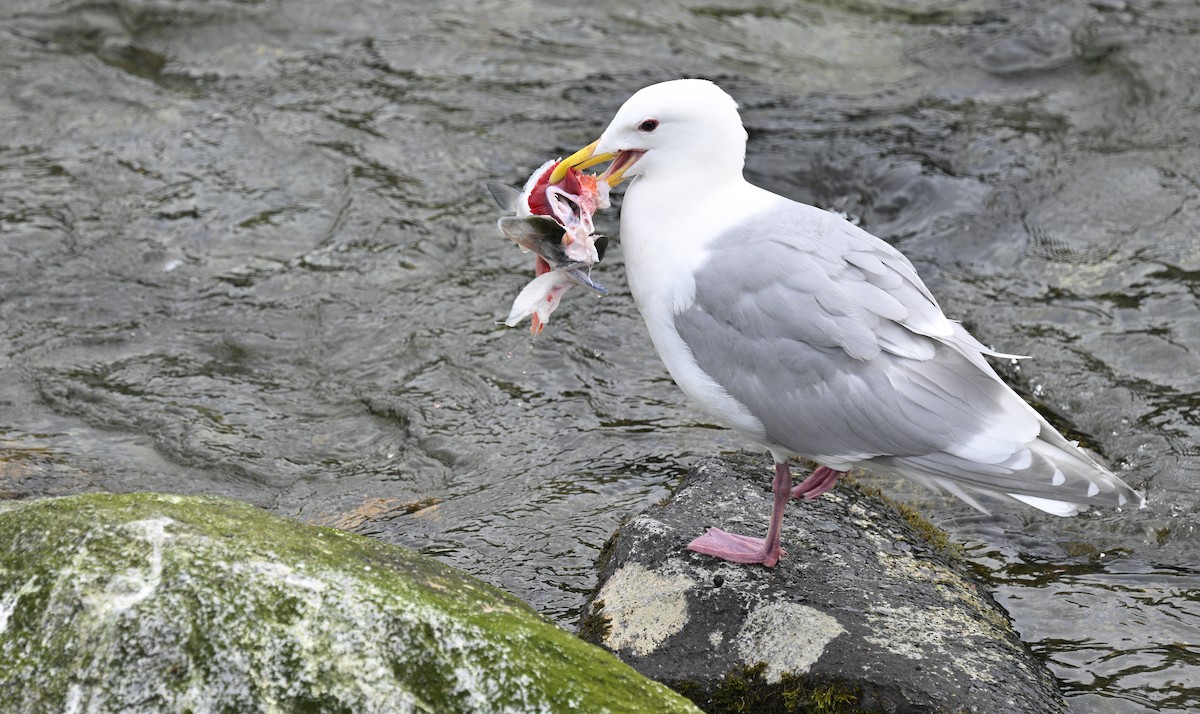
x: 787, y: 637
x: 644, y: 608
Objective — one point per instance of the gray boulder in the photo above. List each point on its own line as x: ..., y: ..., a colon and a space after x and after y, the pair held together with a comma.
x: 863, y: 613
x: 151, y: 603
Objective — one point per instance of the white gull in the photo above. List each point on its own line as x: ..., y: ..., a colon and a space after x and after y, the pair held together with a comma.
x: 810, y: 336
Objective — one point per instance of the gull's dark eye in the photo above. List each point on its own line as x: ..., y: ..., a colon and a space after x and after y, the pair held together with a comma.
x: 648, y: 125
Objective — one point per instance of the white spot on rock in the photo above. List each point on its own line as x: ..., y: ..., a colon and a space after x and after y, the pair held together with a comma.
x: 74, y: 701
x: 787, y: 637
x: 135, y: 584
x: 932, y: 633
x: 644, y: 607
x: 8, y: 603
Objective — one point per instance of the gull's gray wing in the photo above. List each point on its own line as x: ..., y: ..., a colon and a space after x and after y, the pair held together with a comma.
x: 828, y: 336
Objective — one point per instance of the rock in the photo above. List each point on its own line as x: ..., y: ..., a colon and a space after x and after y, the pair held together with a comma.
x: 863, y: 613
x: 152, y: 603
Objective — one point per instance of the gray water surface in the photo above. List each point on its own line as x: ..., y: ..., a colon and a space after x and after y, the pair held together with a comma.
x: 245, y: 249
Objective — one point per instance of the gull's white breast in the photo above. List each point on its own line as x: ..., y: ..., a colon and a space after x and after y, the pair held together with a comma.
x: 665, y: 233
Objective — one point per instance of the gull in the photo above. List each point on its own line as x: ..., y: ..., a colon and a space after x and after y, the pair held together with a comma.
x: 810, y: 336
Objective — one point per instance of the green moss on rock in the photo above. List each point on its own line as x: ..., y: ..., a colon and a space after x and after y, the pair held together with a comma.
x: 146, y: 602
x: 594, y: 625
x: 933, y: 536
x: 746, y: 690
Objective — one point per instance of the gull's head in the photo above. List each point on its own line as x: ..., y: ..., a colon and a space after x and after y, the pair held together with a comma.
x: 681, y: 129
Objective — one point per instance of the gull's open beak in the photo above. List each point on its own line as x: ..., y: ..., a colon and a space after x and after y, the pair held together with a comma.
x: 587, y: 157
x: 582, y: 159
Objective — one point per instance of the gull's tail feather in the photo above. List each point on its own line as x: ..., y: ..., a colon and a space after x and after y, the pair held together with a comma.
x: 1049, y: 473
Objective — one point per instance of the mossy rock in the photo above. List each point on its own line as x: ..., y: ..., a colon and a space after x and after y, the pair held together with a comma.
x: 153, y: 603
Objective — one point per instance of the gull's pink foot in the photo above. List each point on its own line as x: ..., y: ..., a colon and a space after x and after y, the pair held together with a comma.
x: 821, y: 480
x: 736, y: 548
x: 744, y: 549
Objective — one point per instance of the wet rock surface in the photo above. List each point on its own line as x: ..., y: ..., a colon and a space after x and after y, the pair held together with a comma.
x: 864, y: 613
x: 150, y: 603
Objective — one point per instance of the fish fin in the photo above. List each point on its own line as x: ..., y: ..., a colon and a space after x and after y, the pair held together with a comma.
x: 601, y: 242
x: 540, y: 296
x: 586, y: 280
x: 505, y: 196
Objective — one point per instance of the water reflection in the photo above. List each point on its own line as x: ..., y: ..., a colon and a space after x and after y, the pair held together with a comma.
x: 244, y: 249
x: 1155, y: 610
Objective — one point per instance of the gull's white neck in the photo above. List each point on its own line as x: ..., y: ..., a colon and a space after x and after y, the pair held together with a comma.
x: 667, y: 224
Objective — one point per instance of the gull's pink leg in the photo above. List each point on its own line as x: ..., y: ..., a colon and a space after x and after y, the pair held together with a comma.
x: 821, y: 480
x: 744, y: 549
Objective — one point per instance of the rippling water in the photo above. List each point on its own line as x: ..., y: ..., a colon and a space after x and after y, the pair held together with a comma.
x: 244, y: 249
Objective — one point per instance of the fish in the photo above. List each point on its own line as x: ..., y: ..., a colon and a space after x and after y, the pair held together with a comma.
x: 543, y: 237
x: 554, y: 222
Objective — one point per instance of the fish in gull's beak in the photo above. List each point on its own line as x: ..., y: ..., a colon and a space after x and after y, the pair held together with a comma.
x: 543, y: 235
x: 587, y: 157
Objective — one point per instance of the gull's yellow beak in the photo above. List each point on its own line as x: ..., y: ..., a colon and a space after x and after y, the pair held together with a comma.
x: 587, y: 157
x: 583, y: 159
